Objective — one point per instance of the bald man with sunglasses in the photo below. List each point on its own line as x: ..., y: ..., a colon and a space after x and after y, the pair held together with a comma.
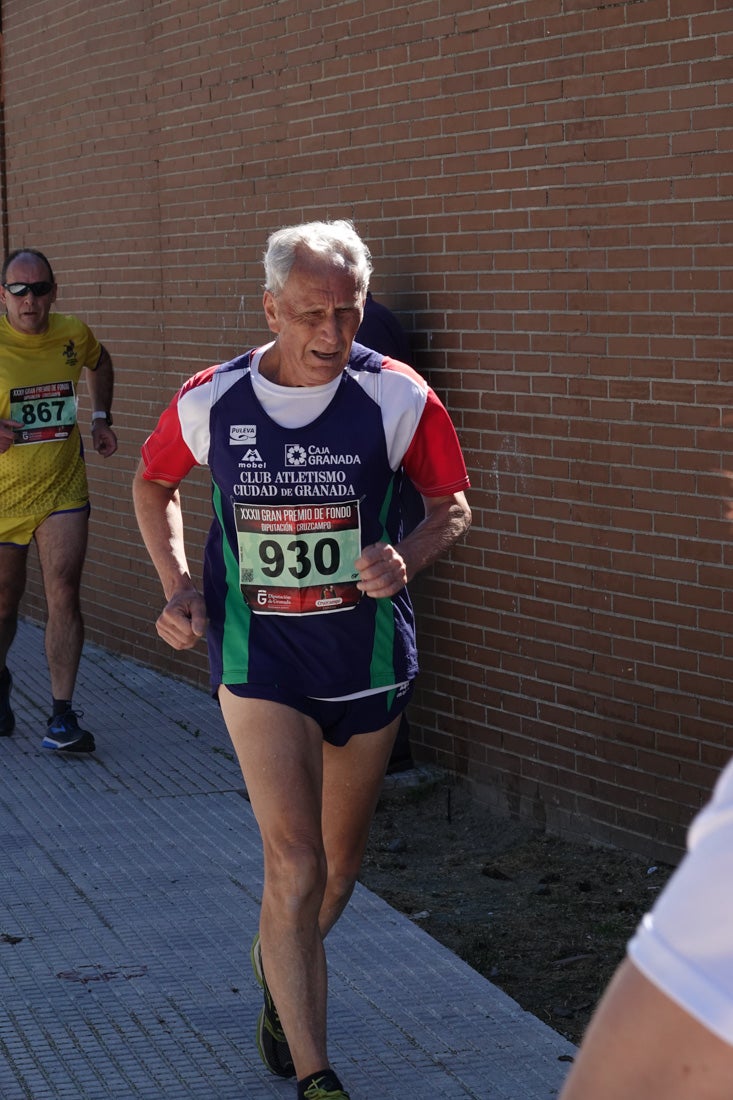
x: 43, y: 485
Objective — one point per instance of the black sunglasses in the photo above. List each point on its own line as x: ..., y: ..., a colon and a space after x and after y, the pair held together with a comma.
x: 19, y: 290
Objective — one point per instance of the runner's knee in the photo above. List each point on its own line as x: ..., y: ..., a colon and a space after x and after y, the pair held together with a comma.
x: 295, y: 873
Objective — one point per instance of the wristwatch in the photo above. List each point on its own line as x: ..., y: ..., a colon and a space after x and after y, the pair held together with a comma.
x: 105, y: 416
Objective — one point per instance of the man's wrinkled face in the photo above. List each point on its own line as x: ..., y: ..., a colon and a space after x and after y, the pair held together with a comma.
x: 28, y: 312
x: 315, y: 318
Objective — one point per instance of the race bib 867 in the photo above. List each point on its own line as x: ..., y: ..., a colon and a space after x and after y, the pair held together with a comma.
x: 47, y: 412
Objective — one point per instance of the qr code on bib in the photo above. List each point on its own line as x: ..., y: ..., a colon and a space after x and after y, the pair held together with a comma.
x: 247, y: 576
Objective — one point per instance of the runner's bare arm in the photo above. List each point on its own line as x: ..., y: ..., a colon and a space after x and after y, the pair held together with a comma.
x: 7, y: 434
x: 640, y: 1045
x: 101, y: 388
x: 158, y: 510
x: 385, y: 569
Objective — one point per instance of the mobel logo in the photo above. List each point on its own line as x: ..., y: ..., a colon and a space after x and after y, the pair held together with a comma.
x: 251, y: 457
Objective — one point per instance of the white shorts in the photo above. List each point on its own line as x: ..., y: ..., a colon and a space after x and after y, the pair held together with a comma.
x: 684, y: 946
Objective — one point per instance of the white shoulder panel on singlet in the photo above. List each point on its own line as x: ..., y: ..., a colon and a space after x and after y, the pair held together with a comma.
x: 194, y: 405
x: 401, y: 398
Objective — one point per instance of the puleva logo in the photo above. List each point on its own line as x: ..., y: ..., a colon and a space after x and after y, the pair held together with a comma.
x: 243, y: 434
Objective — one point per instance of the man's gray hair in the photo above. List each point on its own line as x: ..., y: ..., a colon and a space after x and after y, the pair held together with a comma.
x: 336, y: 241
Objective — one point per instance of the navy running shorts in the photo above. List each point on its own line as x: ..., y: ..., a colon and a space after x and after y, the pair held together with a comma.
x: 339, y: 719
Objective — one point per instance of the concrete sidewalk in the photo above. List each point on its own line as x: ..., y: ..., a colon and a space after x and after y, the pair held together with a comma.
x: 130, y: 894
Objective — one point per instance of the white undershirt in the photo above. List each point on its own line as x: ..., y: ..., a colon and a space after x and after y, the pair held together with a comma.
x: 290, y: 406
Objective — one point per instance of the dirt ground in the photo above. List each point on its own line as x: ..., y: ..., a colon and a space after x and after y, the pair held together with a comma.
x: 544, y: 919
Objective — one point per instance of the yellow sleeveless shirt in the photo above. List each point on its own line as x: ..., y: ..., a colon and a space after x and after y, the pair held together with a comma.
x: 44, y: 468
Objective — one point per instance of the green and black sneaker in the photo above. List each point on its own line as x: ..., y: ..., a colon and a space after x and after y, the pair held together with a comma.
x: 322, y: 1086
x: 271, y: 1041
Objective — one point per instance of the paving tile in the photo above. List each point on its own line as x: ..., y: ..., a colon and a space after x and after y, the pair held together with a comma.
x: 131, y: 886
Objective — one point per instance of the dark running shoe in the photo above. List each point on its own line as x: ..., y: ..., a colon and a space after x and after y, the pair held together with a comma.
x: 64, y: 734
x: 271, y: 1041
x: 7, y: 718
x: 325, y: 1086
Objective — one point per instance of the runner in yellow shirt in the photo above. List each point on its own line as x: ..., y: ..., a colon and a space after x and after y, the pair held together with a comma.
x: 43, y: 483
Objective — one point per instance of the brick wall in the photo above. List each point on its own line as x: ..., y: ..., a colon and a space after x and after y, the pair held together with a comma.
x: 546, y: 187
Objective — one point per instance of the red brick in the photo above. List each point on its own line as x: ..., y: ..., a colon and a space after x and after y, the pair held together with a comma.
x: 547, y: 195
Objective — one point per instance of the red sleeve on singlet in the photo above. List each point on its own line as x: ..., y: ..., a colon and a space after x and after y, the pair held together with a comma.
x: 433, y: 461
x: 166, y: 454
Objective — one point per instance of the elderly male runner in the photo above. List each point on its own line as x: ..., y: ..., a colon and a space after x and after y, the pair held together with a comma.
x: 43, y: 483
x: 310, y: 628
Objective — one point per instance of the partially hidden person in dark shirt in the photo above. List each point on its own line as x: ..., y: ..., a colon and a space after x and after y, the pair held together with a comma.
x: 381, y: 331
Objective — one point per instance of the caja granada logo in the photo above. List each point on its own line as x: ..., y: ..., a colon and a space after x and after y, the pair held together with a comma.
x: 295, y: 455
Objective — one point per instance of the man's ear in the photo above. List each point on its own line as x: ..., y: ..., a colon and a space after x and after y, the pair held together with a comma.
x: 269, y: 305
